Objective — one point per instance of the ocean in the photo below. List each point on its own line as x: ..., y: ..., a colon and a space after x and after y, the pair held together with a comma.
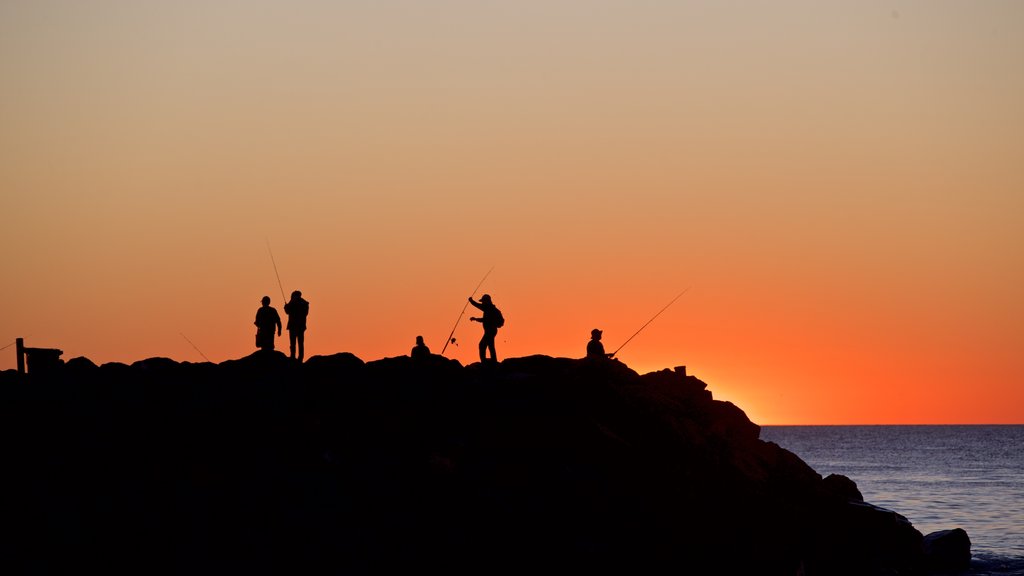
x: 938, y: 477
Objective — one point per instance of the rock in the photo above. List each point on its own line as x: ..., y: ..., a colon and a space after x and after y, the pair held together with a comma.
x: 947, y: 551
x: 858, y: 538
x: 119, y: 369
x: 842, y: 488
x: 80, y: 364
x: 342, y: 362
x: 264, y: 465
x: 155, y: 364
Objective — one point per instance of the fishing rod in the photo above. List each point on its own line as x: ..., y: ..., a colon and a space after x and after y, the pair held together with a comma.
x: 279, y: 285
x: 651, y: 320
x: 464, y: 306
x: 8, y: 346
x: 196, y: 347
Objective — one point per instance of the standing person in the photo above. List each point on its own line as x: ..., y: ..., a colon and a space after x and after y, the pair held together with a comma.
x: 492, y: 320
x: 420, y: 350
x: 595, y: 349
x: 297, y: 309
x: 267, y: 319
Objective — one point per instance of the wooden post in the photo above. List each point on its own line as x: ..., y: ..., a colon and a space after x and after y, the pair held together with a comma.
x: 20, y: 344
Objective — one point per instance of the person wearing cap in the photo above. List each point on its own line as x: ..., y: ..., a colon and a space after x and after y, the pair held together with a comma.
x: 297, y: 309
x: 420, y: 350
x: 267, y: 319
x: 595, y: 349
x: 492, y: 320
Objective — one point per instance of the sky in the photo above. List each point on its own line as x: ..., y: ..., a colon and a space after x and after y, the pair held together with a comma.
x: 839, y: 186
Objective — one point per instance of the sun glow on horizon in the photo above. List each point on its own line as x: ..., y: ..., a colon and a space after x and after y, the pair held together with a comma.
x: 841, y: 188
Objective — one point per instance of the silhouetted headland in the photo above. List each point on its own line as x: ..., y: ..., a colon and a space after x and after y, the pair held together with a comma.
x: 263, y: 465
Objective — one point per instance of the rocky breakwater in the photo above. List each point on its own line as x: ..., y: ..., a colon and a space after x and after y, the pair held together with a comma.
x: 340, y: 466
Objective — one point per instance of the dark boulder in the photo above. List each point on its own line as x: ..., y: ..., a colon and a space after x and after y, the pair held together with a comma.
x: 338, y: 363
x: 842, y: 488
x: 155, y: 365
x: 947, y: 551
x: 80, y: 365
x: 858, y: 538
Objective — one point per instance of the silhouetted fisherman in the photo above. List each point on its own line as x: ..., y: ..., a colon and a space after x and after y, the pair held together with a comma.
x: 420, y: 350
x: 297, y: 309
x: 595, y: 349
x: 492, y: 320
x: 267, y: 319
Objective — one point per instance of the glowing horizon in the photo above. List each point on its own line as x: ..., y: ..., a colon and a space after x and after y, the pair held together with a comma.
x: 839, y: 185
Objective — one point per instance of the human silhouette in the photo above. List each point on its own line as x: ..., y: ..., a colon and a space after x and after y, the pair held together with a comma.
x: 420, y: 350
x: 297, y: 309
x: 267, y: 319
x: 595, y: 349
x: 492, y: 320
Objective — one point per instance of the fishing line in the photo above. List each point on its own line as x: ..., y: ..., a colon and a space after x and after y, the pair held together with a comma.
x: 196, y: 347
x: 464, y: 306
x: 649, y: 321
x: 279, y: 285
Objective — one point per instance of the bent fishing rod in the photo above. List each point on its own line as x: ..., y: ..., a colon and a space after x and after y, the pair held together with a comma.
x: 464, y: 306
x: 649, y: 321
x: 279, y: 285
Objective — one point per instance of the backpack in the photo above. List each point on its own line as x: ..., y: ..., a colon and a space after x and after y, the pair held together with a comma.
x: 499, y: 320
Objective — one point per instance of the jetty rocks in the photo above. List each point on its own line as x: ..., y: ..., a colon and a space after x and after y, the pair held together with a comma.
x: 263, y: 465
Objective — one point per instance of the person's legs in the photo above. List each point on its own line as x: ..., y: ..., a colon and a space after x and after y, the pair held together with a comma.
x: 488, y: 341
x: 301, y: 337
x: 483, y: 348
x: 292, y: 336
x: 265, y: 340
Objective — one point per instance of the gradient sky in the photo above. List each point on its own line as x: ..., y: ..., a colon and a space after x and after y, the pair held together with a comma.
x: 840, y: 184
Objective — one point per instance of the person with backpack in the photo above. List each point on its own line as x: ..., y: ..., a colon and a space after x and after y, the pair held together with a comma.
x: 492, y: 320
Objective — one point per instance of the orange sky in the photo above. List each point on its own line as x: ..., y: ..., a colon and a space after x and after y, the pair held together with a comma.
x: 840, y: 185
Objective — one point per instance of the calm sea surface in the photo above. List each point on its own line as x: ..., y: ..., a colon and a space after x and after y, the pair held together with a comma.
x: 938, y: 477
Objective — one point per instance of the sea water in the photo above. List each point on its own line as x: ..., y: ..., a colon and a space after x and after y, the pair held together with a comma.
x: 938, y: 477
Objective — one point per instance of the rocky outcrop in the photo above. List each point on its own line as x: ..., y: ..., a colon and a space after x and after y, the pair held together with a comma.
x: 947, y: 551
x: 265, y: 466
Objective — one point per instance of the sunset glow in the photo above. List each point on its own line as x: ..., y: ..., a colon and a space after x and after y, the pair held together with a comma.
x: 840, y: 186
